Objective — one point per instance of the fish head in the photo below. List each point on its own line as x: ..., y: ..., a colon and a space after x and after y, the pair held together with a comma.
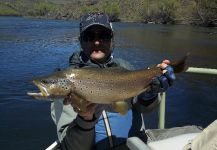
x: 52, y: 87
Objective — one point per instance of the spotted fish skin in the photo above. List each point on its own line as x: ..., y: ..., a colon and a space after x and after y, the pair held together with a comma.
x: 97, y: 85
x: 111, y: 84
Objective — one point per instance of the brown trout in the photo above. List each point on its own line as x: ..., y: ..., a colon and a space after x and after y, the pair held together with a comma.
x: 99, y: 85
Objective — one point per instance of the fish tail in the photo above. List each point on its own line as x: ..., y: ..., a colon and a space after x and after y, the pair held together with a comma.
x: 180, y: 65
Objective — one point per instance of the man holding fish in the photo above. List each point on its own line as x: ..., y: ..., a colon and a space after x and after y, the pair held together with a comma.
x: 97, y: 128
x: 102, y: 114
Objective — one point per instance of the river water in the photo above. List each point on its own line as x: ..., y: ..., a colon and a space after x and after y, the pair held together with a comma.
x: 34, y: 47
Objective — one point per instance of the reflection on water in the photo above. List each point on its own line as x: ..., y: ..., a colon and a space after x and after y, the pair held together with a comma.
x: 33, y: 47
x: 170, y: 41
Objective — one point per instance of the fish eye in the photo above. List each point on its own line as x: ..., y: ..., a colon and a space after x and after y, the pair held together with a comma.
x: 44, y: 81
x: 48, y: 81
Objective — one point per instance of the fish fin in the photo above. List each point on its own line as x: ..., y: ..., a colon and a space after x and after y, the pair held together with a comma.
x: 76, y: 101
x: 67, y: 101
x: 121, y: 107
x: 180, y: 65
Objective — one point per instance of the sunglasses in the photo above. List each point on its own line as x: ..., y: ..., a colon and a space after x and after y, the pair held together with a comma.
x: 91, y: 36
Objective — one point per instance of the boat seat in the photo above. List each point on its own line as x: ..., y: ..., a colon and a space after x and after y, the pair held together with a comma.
x: 173, y: 143
x: 203, y: 140
x: 135, y: 143
x: 165, y: 139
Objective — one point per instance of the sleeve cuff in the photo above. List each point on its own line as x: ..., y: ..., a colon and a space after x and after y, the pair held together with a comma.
x: 146, y: 96
x: 84, y: 124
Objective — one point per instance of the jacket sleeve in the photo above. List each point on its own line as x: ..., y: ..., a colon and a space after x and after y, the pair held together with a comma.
x: 146, y: 102
x: 78, y: 132
x: 72, y: 130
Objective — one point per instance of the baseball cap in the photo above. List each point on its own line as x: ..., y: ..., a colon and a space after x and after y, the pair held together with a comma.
x: 96, y: 18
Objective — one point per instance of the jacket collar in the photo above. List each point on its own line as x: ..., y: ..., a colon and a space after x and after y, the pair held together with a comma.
x: 86, y: 60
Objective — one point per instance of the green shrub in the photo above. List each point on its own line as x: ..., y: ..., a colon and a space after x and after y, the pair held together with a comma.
x: 41, y: 9
x: 7, y: 11
x: 161, y: 11
x: 207, y: 11
x: 109, y: 7
x: 168, y: 10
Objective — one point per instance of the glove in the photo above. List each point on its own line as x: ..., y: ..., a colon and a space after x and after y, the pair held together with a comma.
x: 164, y: 81
x: 159, y: 84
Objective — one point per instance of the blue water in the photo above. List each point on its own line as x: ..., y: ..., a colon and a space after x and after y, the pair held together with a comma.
x: 33, y: 47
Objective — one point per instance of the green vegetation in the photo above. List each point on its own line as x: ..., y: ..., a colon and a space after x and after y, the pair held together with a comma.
x: 163, y: 11
x: 111, y: 7
x: 6, y: 10
x: 41, y: 9
x: 196, y: 12
x: 206, y: 10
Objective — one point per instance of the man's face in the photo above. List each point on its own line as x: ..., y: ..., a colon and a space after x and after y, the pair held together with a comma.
x: 96, y: 43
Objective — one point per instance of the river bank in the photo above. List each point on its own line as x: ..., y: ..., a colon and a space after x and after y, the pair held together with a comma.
x: 149, y: 11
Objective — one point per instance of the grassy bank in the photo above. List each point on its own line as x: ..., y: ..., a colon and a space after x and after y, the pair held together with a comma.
x: 197, y: 12
x: 6, y: 10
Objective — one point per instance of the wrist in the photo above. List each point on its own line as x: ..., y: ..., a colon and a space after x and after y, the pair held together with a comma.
x: 86, y: 124
x: 87, y: 117
x: 147, y: 95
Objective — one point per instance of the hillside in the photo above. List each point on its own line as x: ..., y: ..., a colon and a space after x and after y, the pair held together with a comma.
x: 196, y: 12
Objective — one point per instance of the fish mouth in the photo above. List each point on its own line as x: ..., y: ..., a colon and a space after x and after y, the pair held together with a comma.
x: 42, y: 90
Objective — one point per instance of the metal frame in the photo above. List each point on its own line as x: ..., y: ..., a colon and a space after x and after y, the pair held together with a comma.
x: 162, y: 96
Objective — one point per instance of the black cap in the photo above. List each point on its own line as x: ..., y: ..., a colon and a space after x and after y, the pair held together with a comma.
x: 91, y: 19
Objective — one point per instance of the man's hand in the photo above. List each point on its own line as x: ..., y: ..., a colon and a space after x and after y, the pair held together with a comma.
x: 163, y: 82
x: 88, y: 114
x: 159, y: 84
x: 85, y: 109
